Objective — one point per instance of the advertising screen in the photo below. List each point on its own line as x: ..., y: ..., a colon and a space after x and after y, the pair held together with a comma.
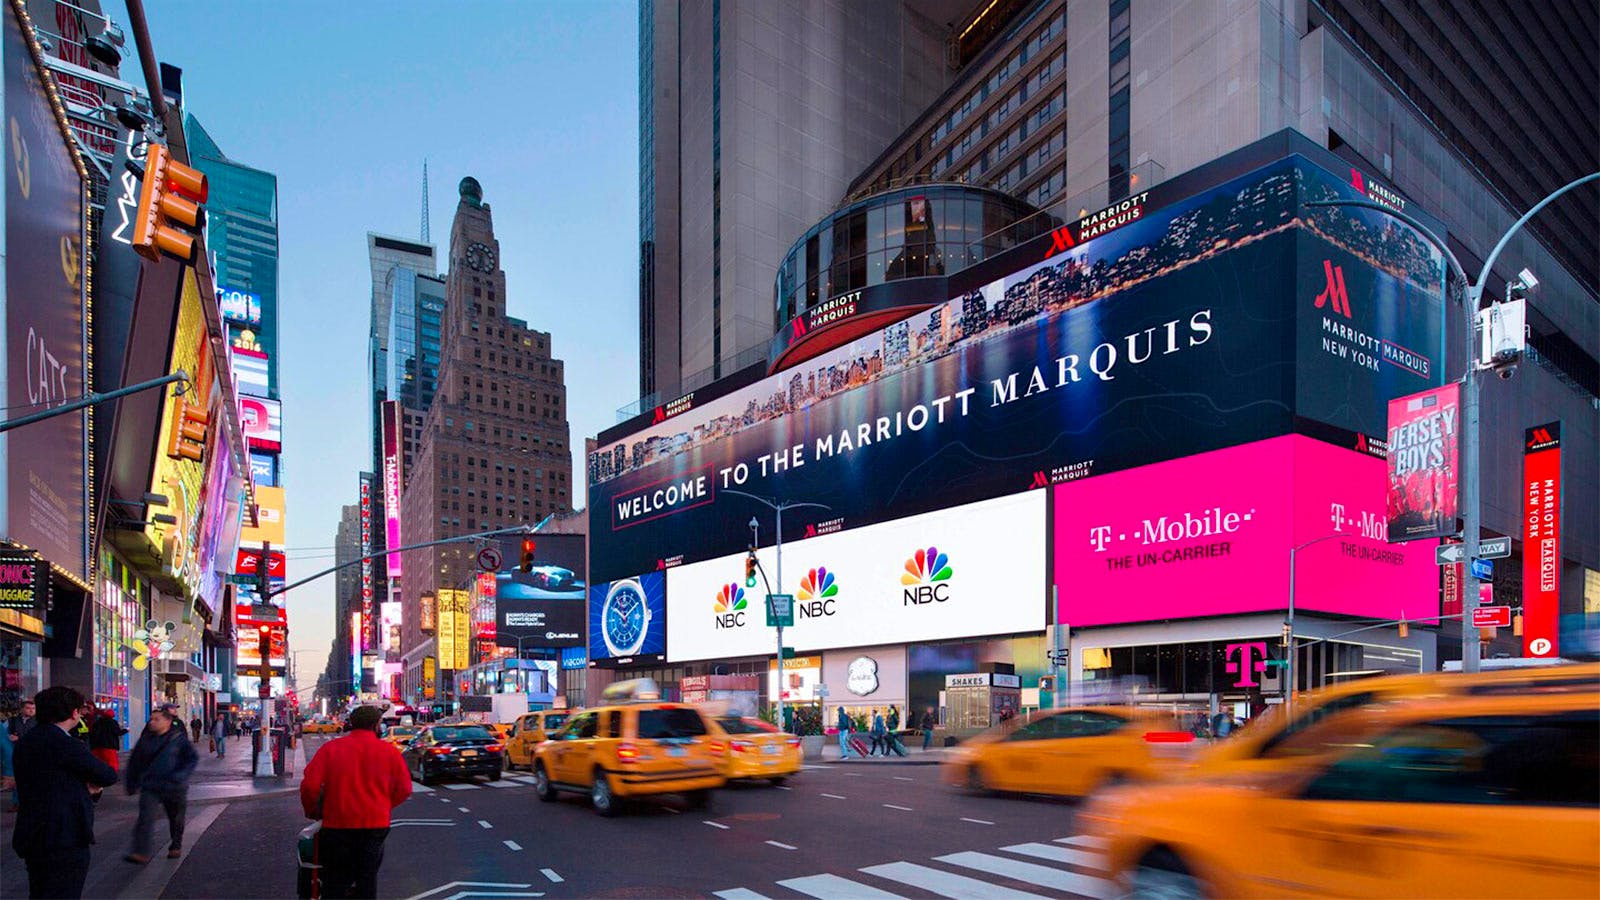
x: 251, y: 374
x: 628, y: 620
x: 249, y: 646
x: 238, y: 306
x: 45, y: 491
x: 269, y: 519
x: 262, y: 420
x: 1424, y: 440
x: 264, y: 470
x: 973, y: 570
x: 1210, y: 535
x: 391, y: 484
x: 543, y: 607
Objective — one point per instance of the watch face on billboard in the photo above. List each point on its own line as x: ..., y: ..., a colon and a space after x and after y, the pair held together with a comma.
x: 627, y: 619
x: 973, y: 570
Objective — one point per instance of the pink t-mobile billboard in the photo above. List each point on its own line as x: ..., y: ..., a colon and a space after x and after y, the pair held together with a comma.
x: 1210, y: 535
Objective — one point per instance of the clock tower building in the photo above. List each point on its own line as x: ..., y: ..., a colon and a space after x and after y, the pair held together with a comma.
x: 495, y: 447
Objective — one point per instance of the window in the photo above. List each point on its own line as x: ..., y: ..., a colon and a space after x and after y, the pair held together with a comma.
x: 656, y: 724
x: 614, y: 723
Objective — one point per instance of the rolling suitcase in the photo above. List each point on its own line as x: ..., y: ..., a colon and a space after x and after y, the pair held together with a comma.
x: 858, y: 745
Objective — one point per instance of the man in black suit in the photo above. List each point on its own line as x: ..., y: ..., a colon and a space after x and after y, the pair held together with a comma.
x: 56, y: 775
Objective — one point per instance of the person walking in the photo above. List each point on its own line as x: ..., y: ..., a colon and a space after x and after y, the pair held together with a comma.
x: 105, y: 737
x: 7, y: 782
x: 894, y: 719
x: 929, y: 722
x: 351, y: 784
x: 844, y: 734
x: 880, y: 733
x: 56, y: 777
x: 194, y: 726
x: 158, y: 771
x: 219, y: 734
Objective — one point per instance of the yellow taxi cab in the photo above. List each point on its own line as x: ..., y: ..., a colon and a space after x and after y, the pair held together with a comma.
x: 1465, y: 796
x: 401, y: 735
x: 529, y: 731
x: 755, y: 749
x: 635, y: 745
x: 320, y: 725
x: 1260, y: 746
x: 1068, y: 752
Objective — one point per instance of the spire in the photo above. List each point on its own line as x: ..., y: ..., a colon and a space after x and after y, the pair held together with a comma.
x: 426, y: 238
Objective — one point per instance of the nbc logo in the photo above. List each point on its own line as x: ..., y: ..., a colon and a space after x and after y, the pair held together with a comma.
x: 927, y: 577
x: 815, y: 598
x: 730, y: 606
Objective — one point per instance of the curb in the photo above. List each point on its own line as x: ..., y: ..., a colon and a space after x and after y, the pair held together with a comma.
x: 885, y: 762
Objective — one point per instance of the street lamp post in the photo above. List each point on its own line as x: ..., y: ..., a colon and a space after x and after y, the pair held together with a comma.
x: 1470, y: 475
x: 1288, y: 625
x: 777, y: 507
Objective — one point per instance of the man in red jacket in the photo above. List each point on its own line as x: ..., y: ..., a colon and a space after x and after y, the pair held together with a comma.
x: 351, y: 784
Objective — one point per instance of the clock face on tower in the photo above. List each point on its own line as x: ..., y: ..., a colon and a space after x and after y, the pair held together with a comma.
x: 480, y: 256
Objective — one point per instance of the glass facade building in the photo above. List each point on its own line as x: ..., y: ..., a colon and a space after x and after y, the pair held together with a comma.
x: 411, y: 363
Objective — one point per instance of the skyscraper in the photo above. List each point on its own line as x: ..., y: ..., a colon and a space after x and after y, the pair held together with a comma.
x: 494, y: 448
x: 752, y: 119
x: 416, y: 323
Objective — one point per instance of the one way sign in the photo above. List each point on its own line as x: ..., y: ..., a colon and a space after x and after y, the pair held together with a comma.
x: 1488, y: 548
x: 1445, y: 554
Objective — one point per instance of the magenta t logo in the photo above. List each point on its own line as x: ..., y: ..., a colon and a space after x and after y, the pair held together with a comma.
x: 1245, y: 668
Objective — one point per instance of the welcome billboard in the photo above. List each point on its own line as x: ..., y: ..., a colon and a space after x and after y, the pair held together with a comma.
x: 1194, y: 326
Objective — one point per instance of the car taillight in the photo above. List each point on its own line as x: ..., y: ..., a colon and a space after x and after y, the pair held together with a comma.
x: 716, y: 747
x: 741, y: 746
x: 1168, y: 737
x: 627, y: 752
x: 495, y: 748
x: 794, y: 742
x: 439, y: 751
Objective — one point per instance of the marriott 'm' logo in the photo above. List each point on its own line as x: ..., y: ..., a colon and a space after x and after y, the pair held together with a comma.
x: 1060, y: 240
x: 1334, y: 294
x: 797, y: 329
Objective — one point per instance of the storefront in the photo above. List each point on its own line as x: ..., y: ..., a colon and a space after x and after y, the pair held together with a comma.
x: 25, y: 589
x: 125, y: 651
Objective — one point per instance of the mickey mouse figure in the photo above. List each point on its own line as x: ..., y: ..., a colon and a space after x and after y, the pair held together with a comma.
x: 151, y: 641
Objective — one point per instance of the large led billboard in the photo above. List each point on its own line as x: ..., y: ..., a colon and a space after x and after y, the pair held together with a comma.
x: 269, y: 519
x: 972, y: 570
x: 1211, y: 534
x: 543, y: 607
x: 262, y: 420
x: 391, y: 484
x: 628, y: 620
x: 1196, y: 325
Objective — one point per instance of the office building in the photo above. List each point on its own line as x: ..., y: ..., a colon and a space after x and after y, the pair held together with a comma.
x: 416, y: 322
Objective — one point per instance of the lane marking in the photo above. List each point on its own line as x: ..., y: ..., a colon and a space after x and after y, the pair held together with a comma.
x: 1044, y: 876
x: 853, y: 775
x: 901, y: 808
x: 835, y: 796
x: 484, y: 823
x: 463, y: 809
x: 945, y: 884
x: 513, y: 845
x: 486, y: 884
x: 903, y: 778
x: 782, y: 846
x: 977, y: 821
x: 505, y: 783
x: 1084, y: 840
x: 782, y: 787
x: 1089, y: 859
x: 716, y: 824
x: 832, y: 887
x: 463, y: 787
x: 551, y: 874
x: 739, y: 894
x: 421, y: 789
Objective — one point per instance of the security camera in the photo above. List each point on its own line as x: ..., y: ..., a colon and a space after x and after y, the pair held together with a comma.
x: 1527, y: 279
x: 1505, y: 373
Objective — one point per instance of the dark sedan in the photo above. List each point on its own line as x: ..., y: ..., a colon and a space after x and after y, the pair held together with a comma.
x: 454, y: 751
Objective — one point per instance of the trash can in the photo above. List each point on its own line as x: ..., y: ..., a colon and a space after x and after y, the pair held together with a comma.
x: 279, y: 745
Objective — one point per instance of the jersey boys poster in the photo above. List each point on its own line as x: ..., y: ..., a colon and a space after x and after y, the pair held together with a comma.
x: 1424, y: 464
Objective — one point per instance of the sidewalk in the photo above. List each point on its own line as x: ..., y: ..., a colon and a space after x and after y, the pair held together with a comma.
x: 915, y: 755
x: 231, y: 778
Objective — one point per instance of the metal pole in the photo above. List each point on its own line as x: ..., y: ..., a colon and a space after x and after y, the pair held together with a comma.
x: 779, y: 515
x: 1471, y: 648
x: 1288, y: 644
x: 92, y: 399
x: 1058, y: 646
x: 147, y: 57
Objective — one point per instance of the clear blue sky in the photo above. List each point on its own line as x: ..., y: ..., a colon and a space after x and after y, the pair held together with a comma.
x: 537, y: 100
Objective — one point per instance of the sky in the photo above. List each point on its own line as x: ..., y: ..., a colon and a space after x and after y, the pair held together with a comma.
x: 343, y: 102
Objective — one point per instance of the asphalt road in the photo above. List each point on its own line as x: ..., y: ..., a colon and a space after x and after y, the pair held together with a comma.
x: 849, y: 830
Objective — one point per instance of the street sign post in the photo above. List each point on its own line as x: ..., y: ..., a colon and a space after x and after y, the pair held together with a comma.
x: 1491, y: 617
x: 1482, y: 569
x: 1445, y: 554
x: 780, y: 610
x: 1494, y: 548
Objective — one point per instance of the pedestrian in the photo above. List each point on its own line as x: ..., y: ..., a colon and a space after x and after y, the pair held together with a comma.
x: 351, y: 784
x: 105, y: 737
x: 844, y: 734
x: 158, y: 771
x: 894, y: 719
x: 7, y: 783
x: 194, y: 726
x: 928, y: 724
x: 85, y: 716
x: 20, y: 725
x: 219, y: 734
x: 880, y: 733
x: 57, y: 777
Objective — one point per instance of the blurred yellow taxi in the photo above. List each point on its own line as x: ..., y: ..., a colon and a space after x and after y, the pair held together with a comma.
x: 1465, y: 796
x: 755, y: 749
x: 401, y: 735
x: 320, y: 725
x: 1260, y: 746
x: 529, y: 731
x: 1068, y: 752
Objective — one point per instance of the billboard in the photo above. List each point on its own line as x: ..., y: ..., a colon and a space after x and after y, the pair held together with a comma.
x: 543, y: 607
x: 368, y: 487
x: 391, y: 484
x: 1541, y: 540
x: 628, y: 620
x: 269, y: 519
x: 1165, y: 337
x: 1211, y: 534
x: 1424, y: 463
x: 455, y: 629
x: 264, y: 469
x: 43, y: 484
x: 237, y: 305
x: 248, y: 640
x: 262, y: 420
x: 973, y: 570
x: 251, y: 373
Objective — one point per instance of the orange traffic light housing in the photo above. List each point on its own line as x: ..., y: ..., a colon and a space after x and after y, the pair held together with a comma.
x: 750, y: 570
x: 527, y: 555
x: 188, y: 438
x: 170, y: 214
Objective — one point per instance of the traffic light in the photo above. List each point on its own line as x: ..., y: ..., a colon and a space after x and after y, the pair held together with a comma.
x: 527, y: 555
x: 169, y: 214
x: 1404, y: 629
x: 750, y: 570
x: 188, y: 438
x: 266, y: 648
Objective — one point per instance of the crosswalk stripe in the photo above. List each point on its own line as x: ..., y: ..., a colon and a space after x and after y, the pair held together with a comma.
x: 1091, y: 859
x: 1084, y: 840
x: 463, y: 787
x: 421, y: 789
x: 739, y: 894
x: 505, y: 784
x: 832, y: 887
x: 1044, y: 876
x: 945, y: 884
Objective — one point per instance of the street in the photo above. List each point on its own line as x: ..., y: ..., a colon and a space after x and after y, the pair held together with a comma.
x: 857, y: 829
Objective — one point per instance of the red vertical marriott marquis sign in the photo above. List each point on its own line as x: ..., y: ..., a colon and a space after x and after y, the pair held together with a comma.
x: 1541, y: 540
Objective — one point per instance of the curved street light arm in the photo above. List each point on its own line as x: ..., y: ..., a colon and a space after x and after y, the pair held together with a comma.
x: 1488, y: 264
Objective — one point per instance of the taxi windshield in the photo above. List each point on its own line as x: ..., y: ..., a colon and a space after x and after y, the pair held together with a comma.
x: 736, y: 725
x: 655, y: 724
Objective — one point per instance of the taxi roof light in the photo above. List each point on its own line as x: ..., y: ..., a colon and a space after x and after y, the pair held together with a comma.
x: 634, y: 690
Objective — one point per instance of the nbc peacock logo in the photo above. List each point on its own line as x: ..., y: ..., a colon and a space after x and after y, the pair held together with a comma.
x: 730, y: 606
x: 815, y: 598
x: 926, y: 578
